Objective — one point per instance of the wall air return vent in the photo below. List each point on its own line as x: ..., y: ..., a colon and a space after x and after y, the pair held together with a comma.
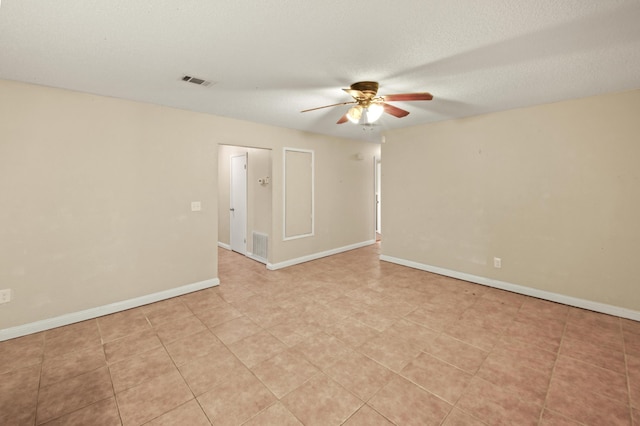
x: 196, y: 80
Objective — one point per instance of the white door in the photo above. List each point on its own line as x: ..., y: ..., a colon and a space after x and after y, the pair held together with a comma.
x: 238, y: 204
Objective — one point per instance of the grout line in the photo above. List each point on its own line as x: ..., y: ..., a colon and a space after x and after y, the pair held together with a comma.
x: 553, y: 371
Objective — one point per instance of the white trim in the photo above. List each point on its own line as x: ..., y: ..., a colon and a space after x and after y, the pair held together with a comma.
x: 284, y: 194
x: 515, y: 288
x: 224, y: 246
x: 73, y: 317
x: 314, y: 256
x: 256, y: 258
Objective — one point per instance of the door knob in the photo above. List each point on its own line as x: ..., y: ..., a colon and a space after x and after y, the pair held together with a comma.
x: 232, y: 209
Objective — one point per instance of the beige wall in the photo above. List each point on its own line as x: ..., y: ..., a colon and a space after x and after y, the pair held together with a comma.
x: 553, y: 190
x: 96, y: 197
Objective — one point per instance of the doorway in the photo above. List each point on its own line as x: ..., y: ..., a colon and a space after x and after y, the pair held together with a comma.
x: 238, y: 204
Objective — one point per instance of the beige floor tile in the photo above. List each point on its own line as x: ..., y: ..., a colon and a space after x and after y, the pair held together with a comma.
x: 525, y: 355
x: 256, y: 348
x: 376, y: 319
x: 203, y: 300
x: 208, y: 371
x: 152, y: 398
x: 140, y: 368
x: 630, y: 326
x: 604, y: 337
x: 438, y: 377
x: 236, y: 329
x: 352, y: 332
x: 545, y: 308
x: 285, y: 372
x: 391, y: 351
x: 188, y: 414
x: 587, y: 377
x: 459, y: 418
x: 69, y: 395
x: 321, y: 401
x: 413, y: 333
x: 632, y: 343
x: 102, y: 413
x: 345, y: 305
x: 434, y: 317
x: 495, y: 405
x: 586, y: 407
x: 367, y: 416
x: 405, y: 403
x: 456, y: 352
x: 19, y: 395
x: 276, y: 415
x: 131, y: 345
x: 188, y: 348
x: 634, y: 395
x: 267, y: 316
x: 166, y: 310
x: 233, y: 293
x: 70, y: 365
x: 593, y: 319
x: 469, y: 331
x: 173, y: 330
x: 505, y: 297
x: 121, y: 324
x: 21, y: 352
x: 74, y: 337
x: 550, y: 418
x: 322, y: 350
x: 287, y: 334
x: 359, y: 374
x: 236, y: 399
x: 527, y: 384
x: 218, y: 315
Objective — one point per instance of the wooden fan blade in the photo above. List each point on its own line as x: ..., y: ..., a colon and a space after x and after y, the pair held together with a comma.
x: 408, y: 97
x: 395, y: 111
x: 329, y: 106
x: 343, y: 119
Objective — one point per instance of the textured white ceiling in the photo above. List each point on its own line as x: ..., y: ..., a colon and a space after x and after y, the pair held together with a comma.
x: 270, y: 59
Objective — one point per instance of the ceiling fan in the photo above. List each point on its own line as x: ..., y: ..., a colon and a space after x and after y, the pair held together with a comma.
x: 369, y: 107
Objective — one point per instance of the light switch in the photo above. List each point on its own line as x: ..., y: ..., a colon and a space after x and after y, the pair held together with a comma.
x: 196, y: 206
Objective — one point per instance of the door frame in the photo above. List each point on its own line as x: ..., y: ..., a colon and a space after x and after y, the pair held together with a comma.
x: 377, y: 194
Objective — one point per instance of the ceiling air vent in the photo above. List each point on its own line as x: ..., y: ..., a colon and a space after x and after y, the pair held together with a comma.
x: 195, y: 80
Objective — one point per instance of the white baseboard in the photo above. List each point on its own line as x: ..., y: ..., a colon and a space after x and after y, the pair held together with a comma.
x: 314, y: 256
x: 527, y: 291
x: 66, y: 319
x: 224, y: 246
x: 256, y: 258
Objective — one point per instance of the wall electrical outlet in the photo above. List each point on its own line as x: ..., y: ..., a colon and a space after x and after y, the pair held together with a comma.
x: 5, y: 295
x: 196, y: 206
x: 497, y: 262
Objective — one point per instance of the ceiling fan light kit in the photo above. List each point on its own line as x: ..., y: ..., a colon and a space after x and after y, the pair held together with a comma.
x: 355, y: 114
x: 361, y: 115
x: 369, y: 107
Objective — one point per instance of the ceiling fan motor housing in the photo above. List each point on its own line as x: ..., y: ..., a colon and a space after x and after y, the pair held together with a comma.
x: 368, y: 88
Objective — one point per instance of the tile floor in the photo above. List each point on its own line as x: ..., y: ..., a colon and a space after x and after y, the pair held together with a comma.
x: 342, y: 340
